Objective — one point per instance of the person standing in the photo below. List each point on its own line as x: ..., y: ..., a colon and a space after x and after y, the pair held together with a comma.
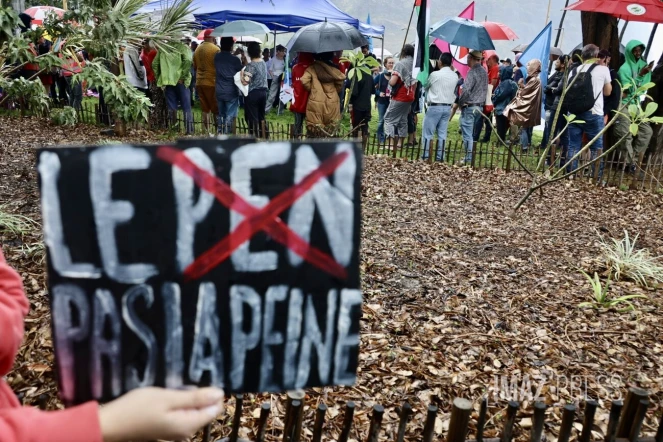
x: 518, y: 72
x: 493, y: 81
x: 524, y: 111
x: 254, y: 103
x: 134, y: 69
x: 634, y: 72
x: 504, y: 94
x: 472, y: 100
x: 549, y: 97
x: 276, y: 68
x: 72, y: 67
x: 360, y: 100
x: 593, y: 117
x: 403, y: 88
x: 172, y: 71
x: 559, y: 131
x: 300, y: 94
x: 324, y: 82
x: 381, y: 83
x: 203, y: 63
x: 226, y: 65
x: 440, y: 93
x: 192, y: 87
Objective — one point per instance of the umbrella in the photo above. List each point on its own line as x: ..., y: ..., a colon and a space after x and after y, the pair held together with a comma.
x: 39, y: 13
x: 519, y: 48
x: 247, y: 39
x: 239, y: 28
x: 326, y: 37
x: 499, y: 31
x: 632, y: 10
x: 462, y: 32
x: 556, y: 52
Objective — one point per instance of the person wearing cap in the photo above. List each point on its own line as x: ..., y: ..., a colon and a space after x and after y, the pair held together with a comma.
x: 275, y: 69
x: 506, y: 62
x: 472, y: 100
x: 172, y: 70
x: 203, y: 63
x: 441, y: 95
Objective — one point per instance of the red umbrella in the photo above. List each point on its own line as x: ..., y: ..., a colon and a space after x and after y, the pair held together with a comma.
x: 499, y: 31
x: 39, y: 13
x: 201, y: 35
x: 632, y: 10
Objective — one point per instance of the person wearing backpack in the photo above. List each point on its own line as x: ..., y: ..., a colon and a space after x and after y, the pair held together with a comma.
x: 634, y: 72
x: 587, y: 84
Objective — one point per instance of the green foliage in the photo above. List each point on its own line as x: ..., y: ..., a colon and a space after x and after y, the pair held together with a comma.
x: 30, y: 94
x: 125, y: 101
x: 64, y: 117
x: 625, y: 261
x: 17, y: 224
x: 9, y: 21
x: 600, y: 297
x: 359, y: 64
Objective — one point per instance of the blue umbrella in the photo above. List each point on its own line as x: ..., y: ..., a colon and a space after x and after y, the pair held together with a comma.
x: 462, y: 32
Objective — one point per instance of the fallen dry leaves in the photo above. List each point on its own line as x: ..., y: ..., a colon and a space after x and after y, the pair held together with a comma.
x: 459, y: 291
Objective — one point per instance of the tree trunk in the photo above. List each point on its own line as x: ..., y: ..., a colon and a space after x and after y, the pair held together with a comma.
x: 601, y: 30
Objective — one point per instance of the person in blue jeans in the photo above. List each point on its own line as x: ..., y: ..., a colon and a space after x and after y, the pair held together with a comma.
x: 472, y: 100
x: 227, y: 94
x: 172, y: 71
x: 593, y: 118
x: 381, y: 84
x: 440, y: 93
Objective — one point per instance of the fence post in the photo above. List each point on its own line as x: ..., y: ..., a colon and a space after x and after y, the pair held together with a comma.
x: 539, y: 421
x: 508, y: 160
x: 432, y: 150
x: 511, y: 410
x: 319, y: 422
x: 481, y: 421
x: 262, y: 423
x: 460, y: 418
x: 640, y: 413
x: 633, y: 398
x: 588, y: 422
x: 615, y: 410
x: 474, y: 153
x: 376, y: 422
x: 347, y: 421
x: 429, y: 427
x: 406, y: 411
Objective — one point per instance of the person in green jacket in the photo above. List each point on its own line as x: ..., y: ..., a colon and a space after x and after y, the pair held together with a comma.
x: 634, y: 72
x: 172, y: 72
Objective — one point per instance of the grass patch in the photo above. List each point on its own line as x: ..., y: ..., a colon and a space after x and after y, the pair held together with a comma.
x: 625, y: 261
x: 17, y: 224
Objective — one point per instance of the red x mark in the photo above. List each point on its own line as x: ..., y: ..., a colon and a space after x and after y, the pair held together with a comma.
x: 255, y: 219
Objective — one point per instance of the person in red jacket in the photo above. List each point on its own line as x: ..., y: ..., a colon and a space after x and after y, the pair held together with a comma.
x: 141, y: 414
x: 304, y: 60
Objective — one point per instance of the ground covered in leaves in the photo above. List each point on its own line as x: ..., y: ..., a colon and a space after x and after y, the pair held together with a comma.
x: 462, y: 296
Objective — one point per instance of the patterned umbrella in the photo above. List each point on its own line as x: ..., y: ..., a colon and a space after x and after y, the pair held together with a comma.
x: 39, y: 13
x: 632, y: 10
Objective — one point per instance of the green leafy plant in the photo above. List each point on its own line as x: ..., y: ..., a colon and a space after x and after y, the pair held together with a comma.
x: 600, y: 297
x: 625, y: 261
x: 360, y: 65
x: 64, y: 117
x: 29, y: 94
x: 17, y: 224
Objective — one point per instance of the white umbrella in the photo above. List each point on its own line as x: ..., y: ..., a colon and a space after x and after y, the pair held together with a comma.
x: 247, y: 39
x: 240, y: 28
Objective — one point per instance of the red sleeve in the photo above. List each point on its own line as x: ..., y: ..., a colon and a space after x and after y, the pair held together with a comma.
x: 77, y: 424
x: 13, y: 308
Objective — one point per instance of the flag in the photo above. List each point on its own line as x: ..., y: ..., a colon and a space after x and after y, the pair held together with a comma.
x: 539, y: 49
x: 370, y: 39
x: 444, y: 46
x: 421, y: 63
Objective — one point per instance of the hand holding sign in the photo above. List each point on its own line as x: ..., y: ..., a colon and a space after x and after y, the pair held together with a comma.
x: 227, y: 260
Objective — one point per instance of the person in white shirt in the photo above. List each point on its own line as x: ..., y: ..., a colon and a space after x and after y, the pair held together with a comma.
x: 440, y: 94
x: 593, y: 118
x: 275, y: 69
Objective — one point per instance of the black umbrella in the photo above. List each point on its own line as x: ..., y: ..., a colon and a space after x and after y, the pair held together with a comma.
x: 326, y: 37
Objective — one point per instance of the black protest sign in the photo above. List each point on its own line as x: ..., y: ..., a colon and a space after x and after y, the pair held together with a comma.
x: 224, y: 262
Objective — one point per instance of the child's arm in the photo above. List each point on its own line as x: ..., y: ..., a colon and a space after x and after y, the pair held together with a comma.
x: 13, y: 308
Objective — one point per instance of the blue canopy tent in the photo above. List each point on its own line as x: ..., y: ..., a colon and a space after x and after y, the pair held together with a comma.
x: 284, y: 15
x: 373, y: 31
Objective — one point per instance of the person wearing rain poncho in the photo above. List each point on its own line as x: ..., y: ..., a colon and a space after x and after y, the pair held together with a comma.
x: 634, y: 72
x: 525, y: 110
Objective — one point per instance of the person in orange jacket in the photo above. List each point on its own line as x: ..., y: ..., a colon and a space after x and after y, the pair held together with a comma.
x: 304, y: 60
x: 142, y: 414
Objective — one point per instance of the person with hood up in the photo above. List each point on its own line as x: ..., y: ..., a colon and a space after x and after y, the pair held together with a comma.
x: 300, y: 94
x: 360, y: 100
x: 504, y: 94
x: 525, y: 110
x: 324, y: 81
x: 634, y: 72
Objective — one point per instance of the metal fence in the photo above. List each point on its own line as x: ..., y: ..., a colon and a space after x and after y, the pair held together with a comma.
x: 613, y: 170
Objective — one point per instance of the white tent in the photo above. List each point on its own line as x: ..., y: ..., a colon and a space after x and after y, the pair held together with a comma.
x: 378, y: 53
